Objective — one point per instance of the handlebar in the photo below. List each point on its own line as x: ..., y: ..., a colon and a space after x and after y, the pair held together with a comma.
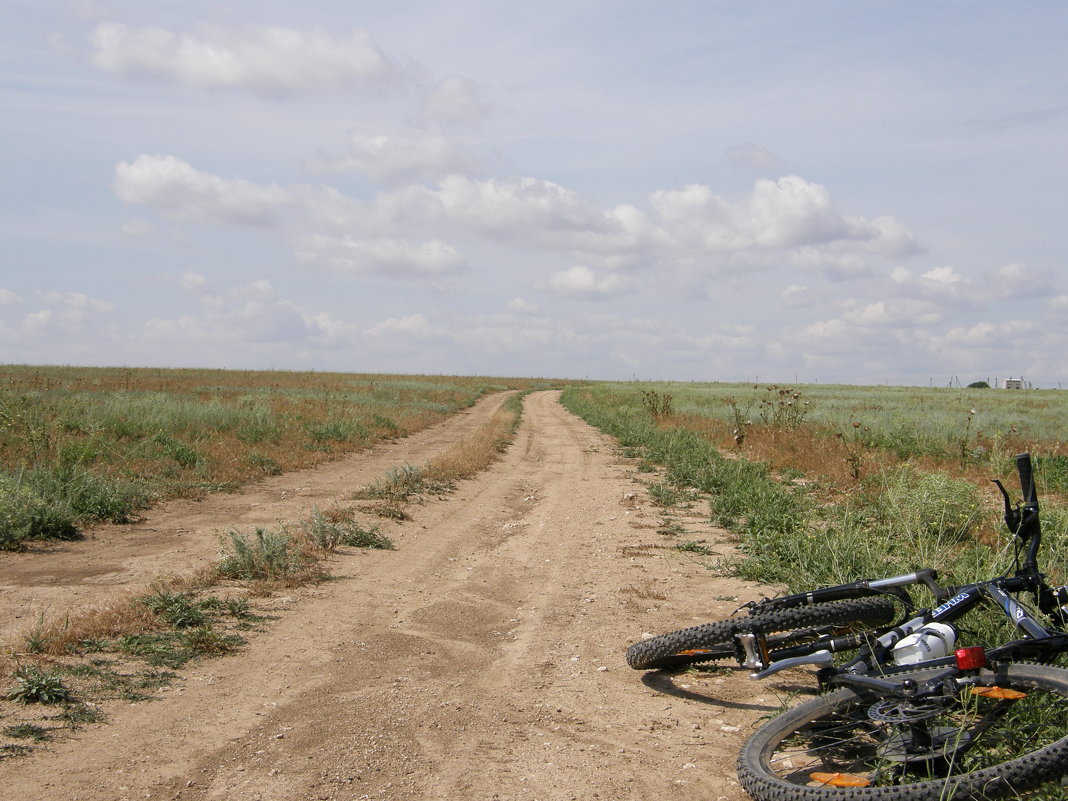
x: 1027, y: 480
x: 1022, y: 519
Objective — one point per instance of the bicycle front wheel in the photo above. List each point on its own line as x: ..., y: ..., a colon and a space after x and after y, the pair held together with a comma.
x: 1005, y: 736
x: 710, y: 642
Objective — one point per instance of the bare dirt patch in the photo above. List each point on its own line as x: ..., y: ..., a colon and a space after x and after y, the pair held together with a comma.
x: 481, y: 659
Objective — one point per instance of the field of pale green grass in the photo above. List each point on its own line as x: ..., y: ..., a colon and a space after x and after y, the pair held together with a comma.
x: 81, y: 445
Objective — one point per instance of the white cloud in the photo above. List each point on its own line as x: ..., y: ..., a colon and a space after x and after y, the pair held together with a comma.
x: 9, y: 298
x: 250, y: 313
x: 788, y: 213
x: 690, y: 232
x: 727, y: 337
x: 795, y: 295
x: 175, y: 187
x: 526, y: 210
x: 388, y: 257
x: 521, y: 306
x: 268, y: 60
x: 940, y: 284
x: 457, y: 102
x: 1016, y: 281
x: 1059, y: 304
x: 581, y: 281
x: 412, y: 326
x: 980, y: 334
x: 192, y: 281
x: 836, y: 263
x: 890, y: 314
x: 986, y: 335
x: 823, y: 330
x: 399, y: 158
x: 946, y: 276
x: 37, y: 323
x: 78, y: 302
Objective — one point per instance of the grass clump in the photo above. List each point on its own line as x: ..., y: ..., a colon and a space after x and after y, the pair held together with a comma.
x: 173, y: 649
x: 327, y: 531
x: 80, y: 714
x: 176, y: 609
x: 106, y: 679
x: 398, y: 485
x: 26, y: 731
x: 663, y: 494
x: 693, y: 546
x: 206, y: 641
x: 36, y: 686
x: 54, y: 503
x: 25, y: 515
x: 265, y: 556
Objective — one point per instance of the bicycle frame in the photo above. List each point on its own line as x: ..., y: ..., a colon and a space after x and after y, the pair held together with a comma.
x: 876, y: 648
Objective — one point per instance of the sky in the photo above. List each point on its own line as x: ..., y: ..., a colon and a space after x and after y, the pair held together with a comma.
x: 820, y: 192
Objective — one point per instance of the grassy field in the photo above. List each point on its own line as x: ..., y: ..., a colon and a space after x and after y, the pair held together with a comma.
x: 81, y: 445
x: 73, y: 660
x: 828, y: 484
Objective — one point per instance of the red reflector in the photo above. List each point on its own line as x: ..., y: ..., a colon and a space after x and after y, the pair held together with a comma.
x: 971, y: 658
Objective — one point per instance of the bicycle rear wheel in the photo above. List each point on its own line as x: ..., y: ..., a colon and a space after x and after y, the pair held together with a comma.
x: 1005, y: 737
x: 710, y: 642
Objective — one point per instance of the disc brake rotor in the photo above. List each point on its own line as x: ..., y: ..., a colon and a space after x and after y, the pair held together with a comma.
x: 913, y: 739
x: 892, y: 710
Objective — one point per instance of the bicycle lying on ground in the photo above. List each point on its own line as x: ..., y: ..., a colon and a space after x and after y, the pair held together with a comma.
x: 907, y: 715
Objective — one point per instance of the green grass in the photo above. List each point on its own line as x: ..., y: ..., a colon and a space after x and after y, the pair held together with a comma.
x: 84, y: 445
x: 986, y: 424
x: 26, y: 731
x: 895, y: 520
x: 36, y: 686
x: 265, y: 555
x: 103, y: 679
x: 327, y: 532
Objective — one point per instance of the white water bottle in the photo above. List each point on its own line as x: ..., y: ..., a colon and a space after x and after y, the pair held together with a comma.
x: 933, y: 641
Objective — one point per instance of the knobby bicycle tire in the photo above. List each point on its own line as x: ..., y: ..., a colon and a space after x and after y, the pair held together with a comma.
x: 968, y: 746
x: 715, y: 641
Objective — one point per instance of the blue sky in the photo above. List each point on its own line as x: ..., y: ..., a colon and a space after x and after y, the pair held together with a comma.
x: 828, y: 191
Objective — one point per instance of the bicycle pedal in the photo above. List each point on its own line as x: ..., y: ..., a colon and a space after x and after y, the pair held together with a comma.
x: 754, y: 650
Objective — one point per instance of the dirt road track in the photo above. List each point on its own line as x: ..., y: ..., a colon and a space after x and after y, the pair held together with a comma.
x: 483, y: 659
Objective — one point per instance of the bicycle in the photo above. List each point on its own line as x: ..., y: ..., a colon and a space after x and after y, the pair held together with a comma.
x: 907, y: 715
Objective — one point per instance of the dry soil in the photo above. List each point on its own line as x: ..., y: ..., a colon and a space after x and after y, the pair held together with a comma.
x: 482, y: 659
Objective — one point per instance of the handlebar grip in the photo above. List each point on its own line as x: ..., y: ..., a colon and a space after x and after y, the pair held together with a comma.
x: 1027, y: 479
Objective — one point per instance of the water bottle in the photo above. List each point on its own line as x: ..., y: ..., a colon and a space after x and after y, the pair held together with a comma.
x: 933, y: 641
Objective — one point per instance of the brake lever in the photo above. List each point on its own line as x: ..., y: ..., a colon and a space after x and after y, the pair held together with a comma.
x: 1012, y: 513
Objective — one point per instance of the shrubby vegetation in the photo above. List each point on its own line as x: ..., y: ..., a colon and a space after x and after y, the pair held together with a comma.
x: 82, y: 445
x: 818, y: 497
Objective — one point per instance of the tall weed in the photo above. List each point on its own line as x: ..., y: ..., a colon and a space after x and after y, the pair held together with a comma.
x: 266, y: 555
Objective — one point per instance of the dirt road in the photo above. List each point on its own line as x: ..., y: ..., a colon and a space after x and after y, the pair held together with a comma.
x: 482, y: 659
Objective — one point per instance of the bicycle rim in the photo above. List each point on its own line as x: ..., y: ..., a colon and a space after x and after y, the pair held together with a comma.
x: 1004, y: 738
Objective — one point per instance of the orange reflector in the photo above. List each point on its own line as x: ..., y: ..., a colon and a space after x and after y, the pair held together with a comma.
x: 839, y: 779
x: 998, y: 692
x: 693, y: 652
